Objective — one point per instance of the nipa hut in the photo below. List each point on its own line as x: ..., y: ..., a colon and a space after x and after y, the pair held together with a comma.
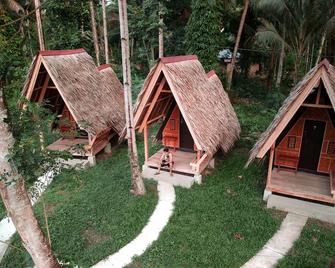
x: 195, y: 114
x: 87, y: 100
x: 301, y: 140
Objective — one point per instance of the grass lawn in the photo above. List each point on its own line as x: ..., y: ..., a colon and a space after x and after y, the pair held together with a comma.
x: 222, y: 223
x: 314, y: 248
x: 91, y: 213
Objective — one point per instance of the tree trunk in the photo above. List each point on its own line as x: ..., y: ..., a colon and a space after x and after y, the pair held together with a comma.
x: 323, y: 39
x: 270, y: 71
x: 17, y: 202
x: 280, y: 65
x: 237, y: 43
x: 161, y: 32
x: 104, y: 18
x: 39, y: 25
x: 137, y: 187
x: 94, y: 32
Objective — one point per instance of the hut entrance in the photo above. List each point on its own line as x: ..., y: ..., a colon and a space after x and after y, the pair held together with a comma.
x: 311, y: 145
x: 186, y: 140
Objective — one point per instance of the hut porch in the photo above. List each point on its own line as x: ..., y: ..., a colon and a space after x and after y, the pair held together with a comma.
x: 182, y: 162
x: 303, y: 185
x: 75, y: 146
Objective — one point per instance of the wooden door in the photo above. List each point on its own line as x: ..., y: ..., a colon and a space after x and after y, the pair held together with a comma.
x: 311, y: 145
x: 171, y: 130
x: 186, y: 140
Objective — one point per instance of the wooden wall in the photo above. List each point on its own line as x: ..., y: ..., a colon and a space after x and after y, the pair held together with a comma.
x: 326, y: 160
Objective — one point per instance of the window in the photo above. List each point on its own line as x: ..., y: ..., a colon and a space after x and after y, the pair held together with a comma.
x: 331, y: 147
x: 172, y: 124
x: 291, y: 142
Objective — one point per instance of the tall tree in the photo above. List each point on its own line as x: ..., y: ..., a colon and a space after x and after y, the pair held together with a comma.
x: 161, y: 31
x: 203, y: 37
x: 104, y: 19
x: 39, y: 24
x: 94, y: 32
x: 230, y: 72
x: 17, y: 202
x: 137, y: 182
x: 297, y: 23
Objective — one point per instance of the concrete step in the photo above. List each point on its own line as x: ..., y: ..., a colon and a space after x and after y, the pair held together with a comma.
x: 306, y: 208
x: 176, y: 179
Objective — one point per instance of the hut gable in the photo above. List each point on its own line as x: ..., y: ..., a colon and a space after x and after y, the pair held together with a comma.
x: 93, y: 95
x: 201, y: 99
x: 323, y: 72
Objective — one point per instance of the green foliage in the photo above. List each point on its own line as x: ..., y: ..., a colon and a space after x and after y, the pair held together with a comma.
x: 252, y: 88
x: 203, y: 36
x: 274, y: 99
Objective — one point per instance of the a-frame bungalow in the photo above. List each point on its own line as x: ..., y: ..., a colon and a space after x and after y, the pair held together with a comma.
x: 301, y: 142
x: 87, y: 100
x: 194, y: 113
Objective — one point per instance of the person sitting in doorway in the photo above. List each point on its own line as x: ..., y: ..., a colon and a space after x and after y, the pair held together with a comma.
x: 166, y: 160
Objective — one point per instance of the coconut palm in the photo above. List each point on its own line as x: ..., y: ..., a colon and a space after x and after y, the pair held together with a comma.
x: 296, y: 24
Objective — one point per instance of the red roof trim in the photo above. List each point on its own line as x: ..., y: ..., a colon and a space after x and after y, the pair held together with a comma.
x: 324, y: 62
x: 103, y: 66
x: 173, y: 59
x: 61, y: 52
x: 211, y: 73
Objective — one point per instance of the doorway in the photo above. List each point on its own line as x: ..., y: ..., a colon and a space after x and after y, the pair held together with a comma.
x: 311, y: 145
x: 186, y: 140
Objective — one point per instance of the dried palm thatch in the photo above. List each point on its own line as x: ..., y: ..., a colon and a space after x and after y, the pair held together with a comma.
x: 204, y: 104
x: 290, y: 100
x: 93, y: 95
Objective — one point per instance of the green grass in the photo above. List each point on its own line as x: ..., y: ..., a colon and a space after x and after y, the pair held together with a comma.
x: 314, y: 248
x: 221, y: 223
x: 91, y: 213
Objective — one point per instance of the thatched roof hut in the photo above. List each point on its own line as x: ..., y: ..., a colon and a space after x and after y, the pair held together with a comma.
x: 93, y: 97
x: 196, y: 112
x: 202, y: 101
x: 324, y: 71
x: 69, y: 82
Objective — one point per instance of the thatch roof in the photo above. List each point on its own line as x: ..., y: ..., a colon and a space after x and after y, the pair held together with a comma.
x: 202, y: 101
x: 93, y: 95
x: 324, y: 71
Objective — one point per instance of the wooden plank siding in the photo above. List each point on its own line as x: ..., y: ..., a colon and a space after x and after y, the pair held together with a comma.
x: 282, y: 149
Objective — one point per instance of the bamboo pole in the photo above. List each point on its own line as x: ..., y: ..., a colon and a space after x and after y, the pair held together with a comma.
x: 137, y: 182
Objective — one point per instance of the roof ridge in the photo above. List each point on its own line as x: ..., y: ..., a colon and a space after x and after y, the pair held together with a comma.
x: 211, y: 73
x: 61, y: 52
x: 173, y: 59
x: 103, y: 66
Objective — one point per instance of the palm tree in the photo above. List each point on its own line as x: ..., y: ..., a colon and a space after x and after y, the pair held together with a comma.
x: 295, y: 23
x: 104, y: 20
x: 237, y: 44
x: 137, y: 182
x: 94, y: 32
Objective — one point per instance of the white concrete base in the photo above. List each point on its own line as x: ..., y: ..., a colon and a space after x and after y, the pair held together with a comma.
x: 150, y: 232
x: 108, y: 148
x: 279, y: 245
x: 301, y: 207
x: 76, y: 163
x: 176, y: 179
x: 92, y: 160
x: 266, y: 195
